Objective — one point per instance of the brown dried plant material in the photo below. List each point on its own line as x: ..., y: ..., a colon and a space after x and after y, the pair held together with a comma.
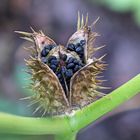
x: 55, y: 95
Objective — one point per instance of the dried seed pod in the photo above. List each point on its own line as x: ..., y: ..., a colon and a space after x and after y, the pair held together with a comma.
x: 64, y: 77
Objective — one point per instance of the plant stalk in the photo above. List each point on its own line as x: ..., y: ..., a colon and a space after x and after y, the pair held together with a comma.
x: 12, y: 124
x: 67, y: 136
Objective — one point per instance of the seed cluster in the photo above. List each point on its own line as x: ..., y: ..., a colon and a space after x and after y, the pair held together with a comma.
x: 45, y: 52
x: 63, y: 65
x: 78, y: 48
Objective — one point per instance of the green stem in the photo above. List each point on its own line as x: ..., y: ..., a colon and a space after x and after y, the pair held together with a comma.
x: 13, y: 124
x: 67, y: 136
x: 66, y: 126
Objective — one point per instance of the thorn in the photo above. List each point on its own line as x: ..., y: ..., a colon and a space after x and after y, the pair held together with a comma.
x: 82, y: 21
x: 99, y: 93
x: 41, y: 32
x: 27, y: 38
x: 37, y: 85
x: 41, y: 71
x: 101, y: 87
x: 44, y: 112
x: 99, y: 76
x: 25, y: 98
x: 86, y: 23
x: 96, y: 34
x: 29, y: 48
x: 93, y: 24
x: 78, y: 21
x: 32, y: 58
x: 41, y: 110
x: 100, y: 81
x: 27, y: 79
x: 32, y: 30
x: 98, y: 48
x: 24, y: 70
x: 26, y: 87
x: 36, y: 109
x: 100, y: 59
x: 32, y: 103
x: 27, y: 71
x: 24, y: 33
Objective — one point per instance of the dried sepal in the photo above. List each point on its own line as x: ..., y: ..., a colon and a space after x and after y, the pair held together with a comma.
x: 38, y: 38
x: 49, y: 92
x: 84, y: 32
x: 85, y: 85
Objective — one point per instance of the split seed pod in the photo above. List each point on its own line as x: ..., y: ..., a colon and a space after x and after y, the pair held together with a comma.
x: 64, y: 78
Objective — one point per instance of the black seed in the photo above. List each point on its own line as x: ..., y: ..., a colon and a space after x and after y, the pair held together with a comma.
x: 44, y: 59
x: 81, y: 56
x: 63, y: 69
x: 83, y: 42
x: 80, y: 67
x: 77, y: 45
x: 49, y: 47
x: 53, y: 67
x: 59, y: 75
x: 70, y: 65
x: 61, y: 80
x: 69, y: 73
x: 76, y: 61
x: 79, y: 49
x: 71, y: 47
x: 54, y: 62
x: 44, y: 52
x: 81, y: 53
x: 76, y: 68
x: 82, y: 64
x: 47, y: 51
x: 70, y: 60
x: 51, y: 58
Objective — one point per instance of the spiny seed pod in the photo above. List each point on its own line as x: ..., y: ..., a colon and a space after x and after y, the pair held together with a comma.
x: 64, y: 78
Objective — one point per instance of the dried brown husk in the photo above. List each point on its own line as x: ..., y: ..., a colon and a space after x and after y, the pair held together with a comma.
x: 45, y: 84
x: 84, y: 85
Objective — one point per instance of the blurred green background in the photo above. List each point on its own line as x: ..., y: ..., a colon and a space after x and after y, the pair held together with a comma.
x: 119, y: 26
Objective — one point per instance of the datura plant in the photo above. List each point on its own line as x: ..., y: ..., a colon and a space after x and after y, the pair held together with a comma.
x: 66, y: 81
x: 65, y: 78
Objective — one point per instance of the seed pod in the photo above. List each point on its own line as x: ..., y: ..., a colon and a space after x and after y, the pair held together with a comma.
x: 64, y: 77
